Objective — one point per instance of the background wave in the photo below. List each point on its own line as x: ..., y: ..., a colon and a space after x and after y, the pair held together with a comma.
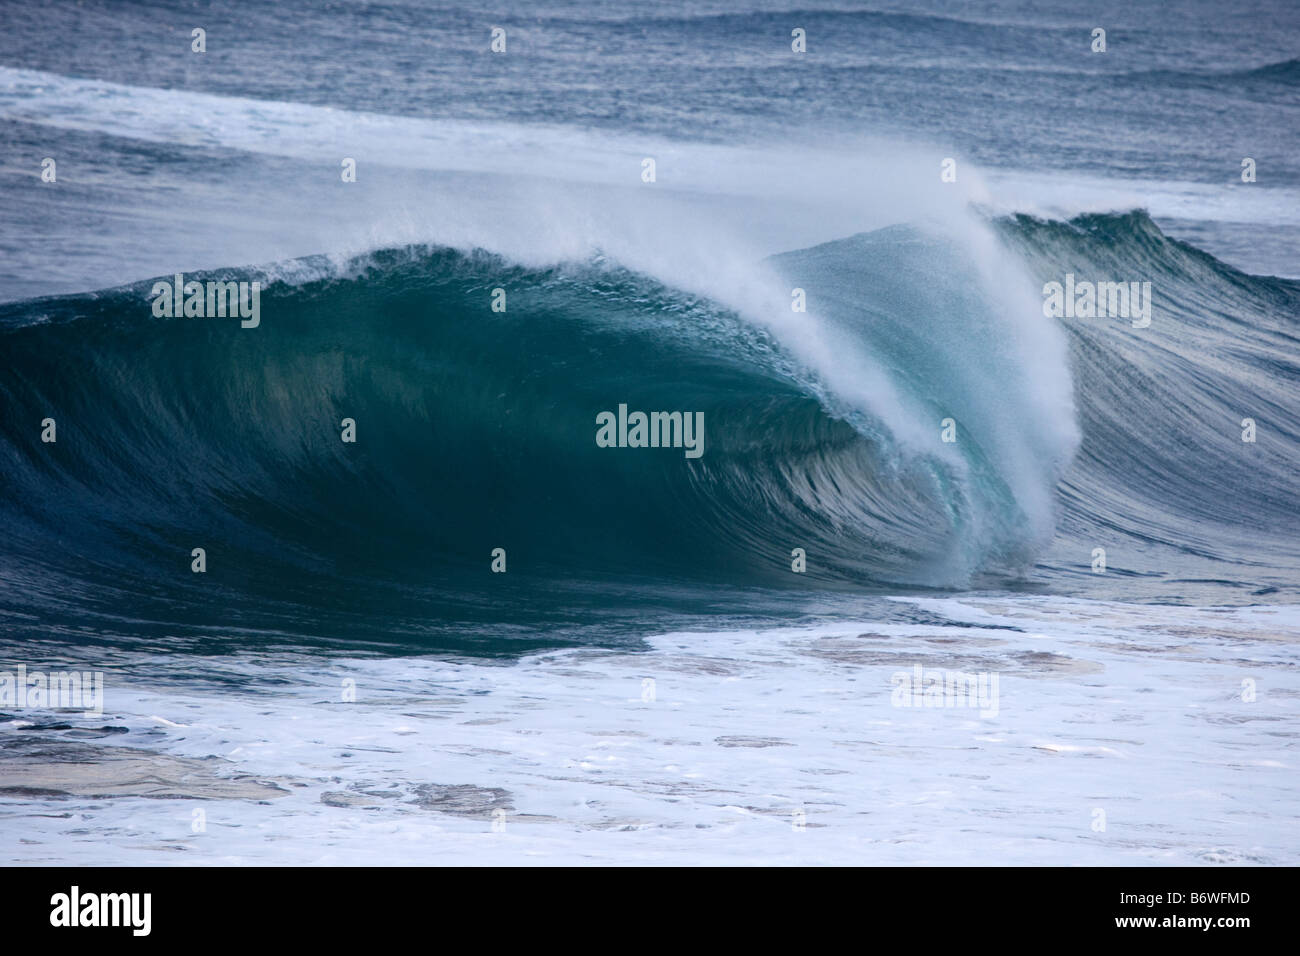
x: 1163, y: 471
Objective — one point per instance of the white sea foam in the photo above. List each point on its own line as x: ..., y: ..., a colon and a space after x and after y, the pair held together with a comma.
x: 1133, y: 711
x: 1054, y: 195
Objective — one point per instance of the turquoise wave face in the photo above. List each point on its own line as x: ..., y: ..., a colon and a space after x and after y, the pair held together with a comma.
x: 477, y: 429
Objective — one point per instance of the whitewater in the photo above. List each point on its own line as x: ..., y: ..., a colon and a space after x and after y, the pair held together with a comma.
x: 765, y: 747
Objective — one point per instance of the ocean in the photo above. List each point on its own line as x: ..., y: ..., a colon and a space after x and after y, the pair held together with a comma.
x: 960, y: 525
